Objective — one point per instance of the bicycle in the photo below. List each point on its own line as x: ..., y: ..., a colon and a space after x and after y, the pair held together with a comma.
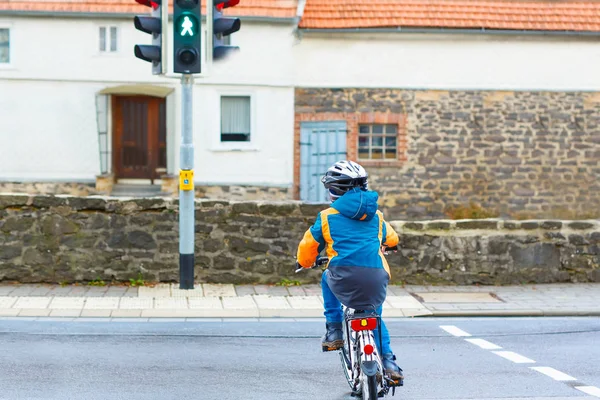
x: 359, y: 356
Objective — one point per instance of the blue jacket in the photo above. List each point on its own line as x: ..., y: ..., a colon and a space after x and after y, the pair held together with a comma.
x: 352, y: 231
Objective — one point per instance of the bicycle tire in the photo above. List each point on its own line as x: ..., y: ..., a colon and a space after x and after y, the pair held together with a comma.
x: 369, y: 388
x: 346, y: 367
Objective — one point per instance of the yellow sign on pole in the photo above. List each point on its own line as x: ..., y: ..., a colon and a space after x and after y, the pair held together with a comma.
x: 186, y: 179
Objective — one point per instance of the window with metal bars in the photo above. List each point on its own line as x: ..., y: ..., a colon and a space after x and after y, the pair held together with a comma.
x: 377, y: 142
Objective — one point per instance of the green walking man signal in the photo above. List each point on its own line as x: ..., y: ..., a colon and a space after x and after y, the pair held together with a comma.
x: 187, y: 33
x: 186, y: 26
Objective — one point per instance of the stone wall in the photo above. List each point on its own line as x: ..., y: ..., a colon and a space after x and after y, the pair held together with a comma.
x: 69, y: 188
x: 66, y: 239
x: 243, y: 192
x: 220, y: 192
x: 520, y: 154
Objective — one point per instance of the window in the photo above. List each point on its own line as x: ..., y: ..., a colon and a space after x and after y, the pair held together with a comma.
x: 235, y: 118
x: 4, y: 46
x: 108, y: 39
x: 377, y: 142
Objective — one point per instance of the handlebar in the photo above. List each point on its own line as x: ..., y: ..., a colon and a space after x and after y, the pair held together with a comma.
x: 388, y: 249
x: 320, y: 261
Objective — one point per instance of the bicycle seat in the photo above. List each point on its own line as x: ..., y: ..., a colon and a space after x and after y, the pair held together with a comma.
x: 362, y: 313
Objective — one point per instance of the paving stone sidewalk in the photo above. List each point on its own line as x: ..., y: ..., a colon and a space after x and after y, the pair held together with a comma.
x: 264, y: 301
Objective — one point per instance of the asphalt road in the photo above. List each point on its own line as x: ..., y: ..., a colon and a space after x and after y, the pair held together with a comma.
x: 279, y: 359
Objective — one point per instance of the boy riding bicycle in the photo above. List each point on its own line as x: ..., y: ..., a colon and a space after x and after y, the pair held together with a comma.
x: 353, y: 232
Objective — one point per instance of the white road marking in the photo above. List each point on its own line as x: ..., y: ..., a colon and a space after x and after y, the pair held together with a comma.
x: 453, y: 330
x: 514, y: 357
x: 554, y: 374
x: 484, y: 344
x: 591, y: 390
x: 519, y: 359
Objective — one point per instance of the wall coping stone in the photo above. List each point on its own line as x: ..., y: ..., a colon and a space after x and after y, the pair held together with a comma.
x: 438, y: 227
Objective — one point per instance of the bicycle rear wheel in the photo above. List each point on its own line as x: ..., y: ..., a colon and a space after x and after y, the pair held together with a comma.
x: 369, y: 387
x: 346, y: 367
x: 345, y: 357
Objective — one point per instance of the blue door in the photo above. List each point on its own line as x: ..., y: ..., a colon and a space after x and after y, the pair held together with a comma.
x: 321, y: 144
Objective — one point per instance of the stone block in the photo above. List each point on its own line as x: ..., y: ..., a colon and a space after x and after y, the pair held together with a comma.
x: 498, y: 245
x: 244, y: 247
x: 312, y: 210
x: 530, y: 225
x: 439, y: 225
x: 260, y: 266
x: 414, y: 226
x: 577, y: 240
x: 554, y: 235
x: 477, y: 224
x: 278, y: 209
x: 551, y: 225
x: 56, y: 225
x: 594, y: 237
x: 223, y: 263
x: 244, y: 208
x: 10, y: 252
x: 15, y: 223
x: 13, y: 200
x: 541, y: 255
x: 578, y: 225
x: 49, y: 201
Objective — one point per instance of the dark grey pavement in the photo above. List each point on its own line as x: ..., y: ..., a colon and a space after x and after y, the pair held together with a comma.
x: 279, y: 359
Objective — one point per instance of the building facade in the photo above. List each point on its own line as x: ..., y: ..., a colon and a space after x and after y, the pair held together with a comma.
x: 446, y: 106
x: 77, y: 108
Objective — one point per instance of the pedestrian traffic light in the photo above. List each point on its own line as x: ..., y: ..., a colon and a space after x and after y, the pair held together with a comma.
x: 223, y: 26
x: 156, y: 24
x: 186, y: 40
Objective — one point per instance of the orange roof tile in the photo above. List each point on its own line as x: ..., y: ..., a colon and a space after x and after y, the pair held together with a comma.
x: 247, y: 8
x: 547, y: 15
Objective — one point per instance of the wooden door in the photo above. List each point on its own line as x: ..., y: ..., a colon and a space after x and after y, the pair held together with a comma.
x: 139, y: 137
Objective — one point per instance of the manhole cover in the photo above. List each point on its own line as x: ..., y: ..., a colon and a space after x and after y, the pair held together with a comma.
x: 455, y: 297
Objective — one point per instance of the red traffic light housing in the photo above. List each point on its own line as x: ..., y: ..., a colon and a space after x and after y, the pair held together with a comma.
x: 153, y: 24
x: 149, y: 3
x: 221, y: 27
x: 220, y: 5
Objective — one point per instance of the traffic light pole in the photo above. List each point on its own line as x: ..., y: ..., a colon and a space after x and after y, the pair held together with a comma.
x: 186, y: 185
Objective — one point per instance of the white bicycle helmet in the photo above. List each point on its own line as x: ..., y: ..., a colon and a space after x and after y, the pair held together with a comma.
x: 343, y: 176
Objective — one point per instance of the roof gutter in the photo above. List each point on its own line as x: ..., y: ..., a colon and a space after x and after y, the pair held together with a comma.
x: 98, y: 15
x: 454, y: 31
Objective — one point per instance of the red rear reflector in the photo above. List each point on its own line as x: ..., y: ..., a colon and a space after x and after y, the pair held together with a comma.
x: 364, y: 324
x: 369, y: 349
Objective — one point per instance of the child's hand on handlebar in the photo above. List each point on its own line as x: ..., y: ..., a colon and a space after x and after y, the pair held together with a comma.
x: 319, y: 262
x: 386, y: 250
